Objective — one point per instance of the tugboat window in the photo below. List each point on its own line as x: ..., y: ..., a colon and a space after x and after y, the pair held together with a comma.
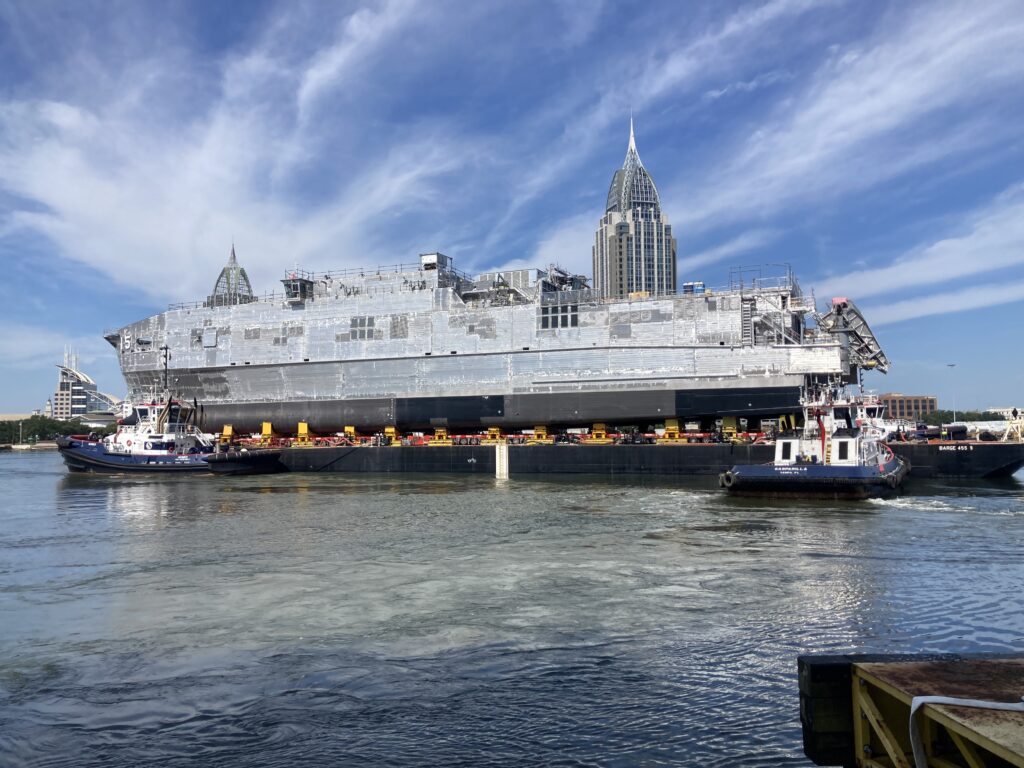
x: 844, y: 450
x: 787, y: 451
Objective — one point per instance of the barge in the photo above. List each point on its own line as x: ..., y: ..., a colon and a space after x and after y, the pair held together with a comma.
x: 987, y: 460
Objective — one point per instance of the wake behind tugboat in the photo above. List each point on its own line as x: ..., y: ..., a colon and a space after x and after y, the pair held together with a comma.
x: 836, y: 455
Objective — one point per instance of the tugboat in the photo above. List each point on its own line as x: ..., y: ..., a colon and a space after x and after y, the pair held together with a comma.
x: 831, y: 457
x: 159, y: 436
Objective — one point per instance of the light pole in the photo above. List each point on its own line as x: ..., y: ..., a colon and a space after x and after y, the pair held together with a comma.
x: 951, y: 366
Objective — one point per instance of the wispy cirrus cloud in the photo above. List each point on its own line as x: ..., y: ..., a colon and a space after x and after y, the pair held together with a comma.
x: 669, y: 69
x: 947, y: 302
x: 762, y: 80
x: 745, y: 242
x: 123, y: 193
x: 26, y: 347
x: 987, y: 240
x: 861, y: 119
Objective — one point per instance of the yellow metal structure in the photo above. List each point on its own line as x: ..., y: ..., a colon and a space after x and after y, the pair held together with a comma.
x: 350, y: 433
x: 493, y: 436
x: 440, y: 437
x: 227, y: 435
x: 672, y: 433
x: 391, y: 433
x: 729, y: 426
x: 598, y: 435
x: 266, y: 434
x: 952, y: 736
x: 303, y: 439
x: 1014, y: 431
x: 540, y: 436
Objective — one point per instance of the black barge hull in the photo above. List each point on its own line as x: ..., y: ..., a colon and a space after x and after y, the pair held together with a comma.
x: 961, y: 458
x: 683, y: 460
x: 969, y: 460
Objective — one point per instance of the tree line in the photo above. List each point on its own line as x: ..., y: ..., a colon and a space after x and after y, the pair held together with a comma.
x: 938, y: 418
x: 36, y: 428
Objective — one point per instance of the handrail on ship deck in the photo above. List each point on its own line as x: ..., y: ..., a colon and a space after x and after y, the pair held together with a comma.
x: 368, y: 272
x: 777, y: 282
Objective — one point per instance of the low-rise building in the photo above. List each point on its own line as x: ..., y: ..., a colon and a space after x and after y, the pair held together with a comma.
x: 909, y: 407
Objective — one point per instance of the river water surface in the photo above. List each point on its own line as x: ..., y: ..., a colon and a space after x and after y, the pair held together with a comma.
x: 352, y: 620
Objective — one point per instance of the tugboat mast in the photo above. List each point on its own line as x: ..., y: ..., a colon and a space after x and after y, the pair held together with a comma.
x: 166, y: 351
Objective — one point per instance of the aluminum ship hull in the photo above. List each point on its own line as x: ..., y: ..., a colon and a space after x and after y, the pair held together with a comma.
x: 425, y: 346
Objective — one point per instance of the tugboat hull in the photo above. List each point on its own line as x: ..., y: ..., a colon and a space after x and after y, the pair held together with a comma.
x: 815, y: 481
x: 87, y: 456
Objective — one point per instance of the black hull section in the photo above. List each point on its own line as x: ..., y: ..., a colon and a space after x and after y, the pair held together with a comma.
x: 507, y: 411
x: 663, y: 460
x: 816, y: 481
x: 961, y: 459
x: 79, y: 462
x: 996, y: 460
x: 261, y: 461
x: 815, y: 488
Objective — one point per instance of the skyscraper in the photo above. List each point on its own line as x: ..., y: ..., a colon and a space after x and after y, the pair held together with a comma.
x: 634, y: 251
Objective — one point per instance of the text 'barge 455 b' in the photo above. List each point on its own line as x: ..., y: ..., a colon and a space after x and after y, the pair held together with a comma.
x: 424, y: 346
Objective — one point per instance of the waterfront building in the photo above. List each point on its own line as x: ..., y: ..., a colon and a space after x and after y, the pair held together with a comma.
x: 77, y: 393
x: 910, y: 407
x: 634, y: 252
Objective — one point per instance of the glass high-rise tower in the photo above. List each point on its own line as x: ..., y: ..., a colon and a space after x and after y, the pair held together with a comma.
x: 634, y: 250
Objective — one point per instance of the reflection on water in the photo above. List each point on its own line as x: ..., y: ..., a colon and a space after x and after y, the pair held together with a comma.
x: 298, y: 619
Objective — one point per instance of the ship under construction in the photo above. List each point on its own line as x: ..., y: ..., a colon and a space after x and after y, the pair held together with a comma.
x: 423, y: 346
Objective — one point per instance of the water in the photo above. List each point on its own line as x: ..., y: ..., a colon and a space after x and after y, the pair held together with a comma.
x: 302, y: 619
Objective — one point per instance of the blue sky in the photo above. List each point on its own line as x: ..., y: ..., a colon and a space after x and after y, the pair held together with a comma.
x: 876, y: 147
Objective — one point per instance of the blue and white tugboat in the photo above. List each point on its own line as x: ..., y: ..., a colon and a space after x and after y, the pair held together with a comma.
x: 158, y: 436
x: 830, y: 457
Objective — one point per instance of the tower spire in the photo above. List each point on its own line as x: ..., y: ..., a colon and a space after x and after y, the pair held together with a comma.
x: 632, y: 156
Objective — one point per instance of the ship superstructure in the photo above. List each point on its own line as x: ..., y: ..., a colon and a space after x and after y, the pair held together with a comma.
x: 424, y: 345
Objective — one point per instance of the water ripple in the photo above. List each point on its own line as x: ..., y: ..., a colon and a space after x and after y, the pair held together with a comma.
x: 297, y: 620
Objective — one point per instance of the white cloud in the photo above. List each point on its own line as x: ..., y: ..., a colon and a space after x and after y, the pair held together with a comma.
x: 361, y: 34
x: 743, y: 243
x: 568, y: 244
x: 862, y: 119
x: 991, y: 239
x: 748, y: 86
x: 27, y: 347
x: 129, y: 195
x: 663, y: 73
x: 947, y: 302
